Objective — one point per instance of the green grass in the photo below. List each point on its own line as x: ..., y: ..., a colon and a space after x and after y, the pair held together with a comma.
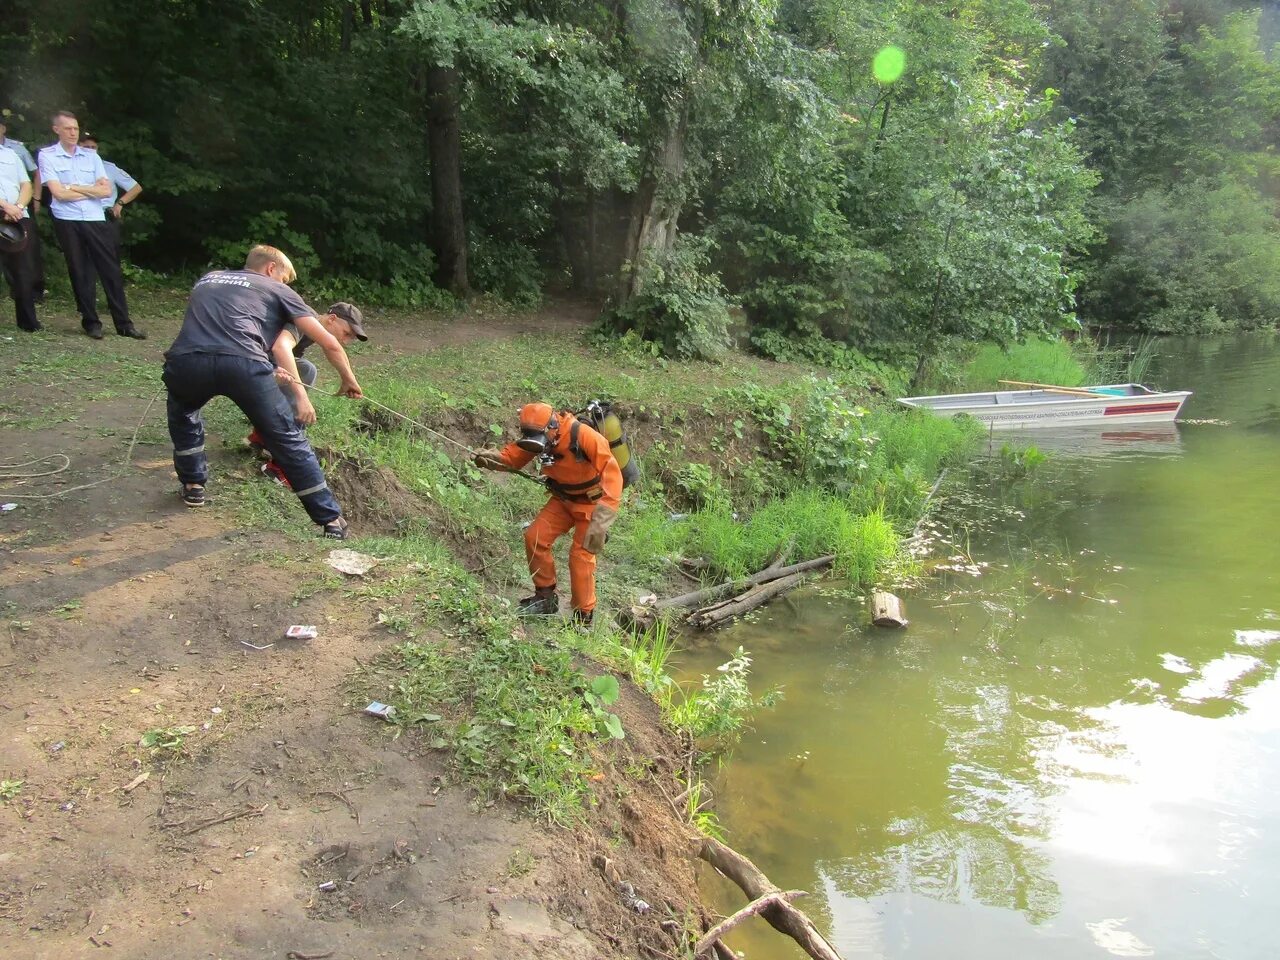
x: 1054, y: 362
x: 803, y: 462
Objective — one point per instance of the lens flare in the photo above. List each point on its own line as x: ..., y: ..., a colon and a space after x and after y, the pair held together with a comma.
x: 888, y: 64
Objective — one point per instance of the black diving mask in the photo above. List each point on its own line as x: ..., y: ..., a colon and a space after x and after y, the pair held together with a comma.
x: 537, y: 441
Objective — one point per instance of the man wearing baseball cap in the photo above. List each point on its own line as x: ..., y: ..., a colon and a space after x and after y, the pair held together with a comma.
x: 345, y: 323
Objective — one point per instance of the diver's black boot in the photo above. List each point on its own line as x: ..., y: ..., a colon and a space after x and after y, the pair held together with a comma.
x: 544, y: 601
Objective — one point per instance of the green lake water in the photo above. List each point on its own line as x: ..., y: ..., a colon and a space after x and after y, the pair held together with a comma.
x: 1073, y: 751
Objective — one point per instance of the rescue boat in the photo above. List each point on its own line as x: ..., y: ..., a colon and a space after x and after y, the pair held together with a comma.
x: 1049, y: 406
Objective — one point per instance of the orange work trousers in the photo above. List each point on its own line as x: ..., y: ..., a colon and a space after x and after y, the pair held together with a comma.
x: 555, y: 519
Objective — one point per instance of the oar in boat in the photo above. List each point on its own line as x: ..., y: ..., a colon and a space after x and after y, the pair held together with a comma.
x: 1051, y: 388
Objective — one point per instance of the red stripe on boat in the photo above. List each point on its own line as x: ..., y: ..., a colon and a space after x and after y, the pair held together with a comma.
x: 1141, y: 408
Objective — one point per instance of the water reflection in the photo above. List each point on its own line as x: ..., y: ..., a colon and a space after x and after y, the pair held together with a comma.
x: 1095, y: 441
x: 1071, y: 753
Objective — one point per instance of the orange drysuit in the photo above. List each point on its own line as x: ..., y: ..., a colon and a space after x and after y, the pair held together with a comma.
x: 578, y: 480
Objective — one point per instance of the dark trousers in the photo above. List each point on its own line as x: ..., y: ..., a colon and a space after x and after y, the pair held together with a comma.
x: 20, y: 272
x: 307, y: 372
x: 91, y: 252
x: 195, y: 379
x: 37, y: 255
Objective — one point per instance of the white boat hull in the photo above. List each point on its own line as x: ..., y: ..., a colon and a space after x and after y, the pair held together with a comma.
x: 1126, y: 403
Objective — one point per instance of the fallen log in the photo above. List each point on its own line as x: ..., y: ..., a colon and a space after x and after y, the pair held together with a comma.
x: 744, y: 603
x: 886, y: 610
x: 759, y: 905
x: 732, y: 586
x: 782, y: 916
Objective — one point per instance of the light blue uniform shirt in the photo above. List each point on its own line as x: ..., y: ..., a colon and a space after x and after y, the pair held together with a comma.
x: 20, y: 148
x: 13, y: 174
x: 120, y: 181
x: 84, y: 167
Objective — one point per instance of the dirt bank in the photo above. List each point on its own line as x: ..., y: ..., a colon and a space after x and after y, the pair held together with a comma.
x: 130, y: 620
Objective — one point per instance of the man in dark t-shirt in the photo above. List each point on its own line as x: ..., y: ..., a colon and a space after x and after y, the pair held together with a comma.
x: 230, y: 346
x: 345, y: 322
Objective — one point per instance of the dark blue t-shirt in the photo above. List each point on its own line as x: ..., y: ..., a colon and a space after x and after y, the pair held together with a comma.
x: 237, y: 313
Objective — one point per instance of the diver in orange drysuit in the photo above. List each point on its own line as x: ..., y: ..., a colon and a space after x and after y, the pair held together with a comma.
x: 585, y: 484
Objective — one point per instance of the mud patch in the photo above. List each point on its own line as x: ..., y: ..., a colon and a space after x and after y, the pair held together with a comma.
x: 371, y: 496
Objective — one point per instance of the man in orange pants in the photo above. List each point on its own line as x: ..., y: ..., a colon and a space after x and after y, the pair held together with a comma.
x: 585, y: 484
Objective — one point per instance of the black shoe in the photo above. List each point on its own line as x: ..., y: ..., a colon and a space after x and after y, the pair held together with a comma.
x: 94, y: 332
x: 336, y: 529
x: 583, y: 618
x: 542, y: 603
x: 133, y: 332
x: 193, y: 495
x: 38, y: 326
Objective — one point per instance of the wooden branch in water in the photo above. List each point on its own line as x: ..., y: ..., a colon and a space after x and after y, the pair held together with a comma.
x: 730, y: 586
x: 758, y: 905
x: 886, y: 610
x: 643, y: 616
x: 746, y: 602
x: 781, y: 915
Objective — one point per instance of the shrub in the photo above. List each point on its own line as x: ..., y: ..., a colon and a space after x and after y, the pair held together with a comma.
x: 822, y: 440
x: 1198, y: 257
x: 508, y: 270
x: 679, y: 305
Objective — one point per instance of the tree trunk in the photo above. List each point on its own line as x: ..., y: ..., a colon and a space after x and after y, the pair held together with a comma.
x: 348, y: 24
x: 444, y: 146
x: 366, y: 12
x: 656, y: 207
x: 932, y: 332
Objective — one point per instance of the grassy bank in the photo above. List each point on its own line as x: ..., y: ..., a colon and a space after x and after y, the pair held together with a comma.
x: 739, y: 461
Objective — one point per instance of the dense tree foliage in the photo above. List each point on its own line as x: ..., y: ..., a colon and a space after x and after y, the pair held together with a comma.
x: 888, y: 174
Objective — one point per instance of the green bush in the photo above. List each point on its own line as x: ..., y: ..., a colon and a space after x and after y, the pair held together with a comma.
x: 1036, y: 361
x: 509, y: 271
x: 821, y: 439
x: 1198, y: 257
x: 855, y: 368
x: 679, y: 305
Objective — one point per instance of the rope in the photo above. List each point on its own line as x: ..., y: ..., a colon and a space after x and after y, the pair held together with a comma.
x: 124, y: 464
x: 435, y: 433
x: 133, y: 442
x: 66, y: 462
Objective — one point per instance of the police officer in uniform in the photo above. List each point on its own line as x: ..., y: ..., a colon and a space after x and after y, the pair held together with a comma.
x: 114, y: 203
x: 15, y: 243
x: 78, y: 182
x: 230, y: 346
x: 33, y: 208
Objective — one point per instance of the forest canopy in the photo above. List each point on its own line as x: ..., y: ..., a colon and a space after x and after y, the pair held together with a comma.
x: 882, y: 174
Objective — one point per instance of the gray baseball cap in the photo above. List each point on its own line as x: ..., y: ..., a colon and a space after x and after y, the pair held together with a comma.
x: 352, y: 315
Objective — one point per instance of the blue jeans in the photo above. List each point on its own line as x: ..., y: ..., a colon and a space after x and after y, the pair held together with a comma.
x: 195, y: 379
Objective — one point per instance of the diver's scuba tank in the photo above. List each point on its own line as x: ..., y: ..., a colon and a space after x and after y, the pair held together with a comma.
x: 601, y: 417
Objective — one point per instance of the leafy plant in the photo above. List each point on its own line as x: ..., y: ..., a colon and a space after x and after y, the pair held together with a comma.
x: 603, y: 692
x: 720, y: 708
x: 1018, y: 462
x: 701, y: 487
x: 9, y: 789
x: 680, y: 304
x: 167, y: 741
